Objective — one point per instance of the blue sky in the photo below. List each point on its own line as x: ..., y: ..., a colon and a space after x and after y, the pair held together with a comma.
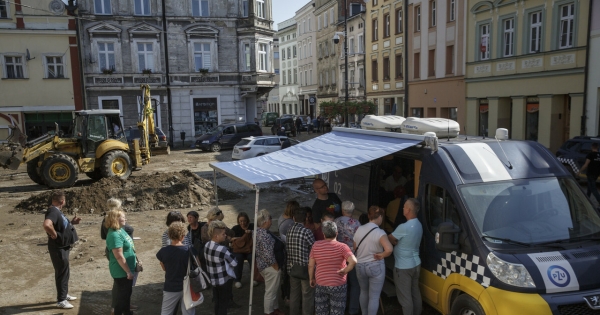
x: 285, y: 9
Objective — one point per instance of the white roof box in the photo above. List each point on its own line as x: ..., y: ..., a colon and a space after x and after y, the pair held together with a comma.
x: 382, y: 123
x: 442, y: 127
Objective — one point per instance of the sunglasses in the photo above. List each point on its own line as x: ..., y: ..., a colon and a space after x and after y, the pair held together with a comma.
x: 218, y: 213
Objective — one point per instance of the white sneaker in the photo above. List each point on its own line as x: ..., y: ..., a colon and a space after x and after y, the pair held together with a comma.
x: 237, y: 285
x: 71, y: 298
x: 64, y: 304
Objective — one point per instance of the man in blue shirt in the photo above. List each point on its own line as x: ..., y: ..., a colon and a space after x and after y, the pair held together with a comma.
x: 406, y: 239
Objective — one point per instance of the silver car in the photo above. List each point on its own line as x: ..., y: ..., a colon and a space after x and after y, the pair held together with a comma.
x: 256, y: 146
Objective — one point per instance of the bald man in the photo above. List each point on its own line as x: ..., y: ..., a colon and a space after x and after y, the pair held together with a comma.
x: 325, y: 201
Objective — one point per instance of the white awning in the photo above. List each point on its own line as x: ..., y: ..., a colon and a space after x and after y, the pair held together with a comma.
x: 339, y: 149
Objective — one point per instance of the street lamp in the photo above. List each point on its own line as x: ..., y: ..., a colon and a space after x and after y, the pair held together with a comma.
x: 336, y: 39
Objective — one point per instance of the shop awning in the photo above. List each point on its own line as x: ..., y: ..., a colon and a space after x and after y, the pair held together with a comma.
x: 339, y: 149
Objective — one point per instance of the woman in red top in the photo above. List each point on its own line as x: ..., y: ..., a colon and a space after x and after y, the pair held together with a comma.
x: 333, y: 260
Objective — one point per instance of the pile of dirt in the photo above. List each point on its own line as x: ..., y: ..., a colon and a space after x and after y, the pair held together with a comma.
x: 171, y: 190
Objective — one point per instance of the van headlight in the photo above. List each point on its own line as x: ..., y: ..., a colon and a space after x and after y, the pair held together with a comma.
x: 205, y: 141
x: 509, y: 273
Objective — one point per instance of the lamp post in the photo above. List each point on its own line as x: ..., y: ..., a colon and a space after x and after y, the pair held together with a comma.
x: 346, y: 63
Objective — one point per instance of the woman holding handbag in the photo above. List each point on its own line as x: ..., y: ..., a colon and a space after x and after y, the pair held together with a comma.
x: 242, y: 245
x: 371, y: 246
x: 266, y: 262
x: 122, y: 260
x: 174, y: 261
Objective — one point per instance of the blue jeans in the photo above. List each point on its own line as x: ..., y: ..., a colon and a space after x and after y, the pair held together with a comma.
x: 591, y: 187
x: 371, y: 277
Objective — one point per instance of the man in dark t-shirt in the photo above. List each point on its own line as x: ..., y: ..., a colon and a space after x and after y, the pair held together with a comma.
x: 61, y: 237
x: 325, y: 201
x: 592, y: 164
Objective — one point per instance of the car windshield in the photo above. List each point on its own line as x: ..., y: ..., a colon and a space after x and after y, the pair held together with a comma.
x: 217, y: 129
x: 531, y: 210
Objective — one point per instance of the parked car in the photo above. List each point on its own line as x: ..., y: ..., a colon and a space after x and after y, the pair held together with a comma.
x: 226, y: 136
x: 288, y: 123
x: 268, y: 118
x: 575, y: 150
x: 256, y: 146
x: 133, y: 132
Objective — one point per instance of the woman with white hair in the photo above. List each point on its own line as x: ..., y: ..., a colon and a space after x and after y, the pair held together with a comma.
x: 347, y: 226
x: 266, y: 262
x: 333, y: 260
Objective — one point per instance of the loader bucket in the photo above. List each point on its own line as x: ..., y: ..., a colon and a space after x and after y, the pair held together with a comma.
x: 160, y: 150
x: 11, y: 152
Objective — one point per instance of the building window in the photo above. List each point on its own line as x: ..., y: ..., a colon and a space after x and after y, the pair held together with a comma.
x: 289, y: 76
x: 310, y: 49
x: 309, y: 25
x: 361, y: 44
x: 248, y: 56
x: 567, y: 14
x: 310, y: 77
x: 200, y: 7
x: 102, y: 7
x: 374, y: 71
x: 361, y: 79
x: 386, y: 27
x: 398, y: 65
x: 386, y: 68
x: 326, y: 77
x: 262, y: 57
x: 202, y: 56
x: 283, y: 54
x: 260, y: 8
x: 417, y: 112
x: 13, y: 66
x: 289, y: 53
x: 295, y: 76
x: 351, y: 79
x: 417, y: 66
x: 399, y: 21
x: 509, y: 37
x: 418, y: 18
x: 145, y: 56
x: 3, y: 9
x: 106, y: 56
x: 532, y: 118
x: 351, y: 46
x: 387, y: 106
x: 331, y: 16
x: 535, y: 32
x: 245, y: 8
x: 294, y: 50
x: 451, y: 10
x: 319, y: 23
x: 483, y: 117
x: 484, y: 42
x: 55, y: 69
x: 283, y: 78
x: 433, y: 13
x: 142, y: 7
x: 321, y: 79
x: 305, y: 77
x: 325, y: 22
x: 449, y: 59
x: 374, y: 29
x: 431, y: 63
x: 374, y: 2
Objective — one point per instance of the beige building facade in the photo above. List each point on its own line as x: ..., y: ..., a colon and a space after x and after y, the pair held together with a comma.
x: 39, y: 69
x: 384, y: 55
x: 356, y: 59
x: 436, y: 59
x: 526, y: 69
x: 288, y: 78
x: 326, y: 13
x: 307, y: 59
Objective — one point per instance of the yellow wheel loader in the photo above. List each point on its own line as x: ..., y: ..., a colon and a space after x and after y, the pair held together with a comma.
x: 97, y: 147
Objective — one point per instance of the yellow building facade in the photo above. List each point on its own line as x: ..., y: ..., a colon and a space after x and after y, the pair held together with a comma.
x: 525, y: 69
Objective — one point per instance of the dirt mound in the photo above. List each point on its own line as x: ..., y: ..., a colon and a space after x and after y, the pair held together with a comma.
x: 172, y: 190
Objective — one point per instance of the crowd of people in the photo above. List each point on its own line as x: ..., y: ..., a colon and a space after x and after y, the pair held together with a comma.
x: 322, y: 261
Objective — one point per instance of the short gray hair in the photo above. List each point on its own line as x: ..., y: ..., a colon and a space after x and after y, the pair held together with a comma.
x: 329, y: 229
x: 416, y: 205
x: 348, y: 206
x: 263, y: 216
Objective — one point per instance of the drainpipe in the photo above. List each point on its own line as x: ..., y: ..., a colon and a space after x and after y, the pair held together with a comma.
x: 582, y: 132
x: 166, y: 44
x: 405, y: 17
x: 71, y: 7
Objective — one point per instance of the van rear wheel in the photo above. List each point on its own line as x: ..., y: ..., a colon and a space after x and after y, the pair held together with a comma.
x: 464, y: 304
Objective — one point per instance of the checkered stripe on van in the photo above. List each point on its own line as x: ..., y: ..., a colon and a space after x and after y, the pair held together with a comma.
x: 570, y: 162
x: 466, y: 265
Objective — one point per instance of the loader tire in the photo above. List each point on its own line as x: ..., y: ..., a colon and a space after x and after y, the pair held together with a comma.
x: 95, y: 175
x: 59, y: 171
x: 116, y: 164
x: 34, y: 171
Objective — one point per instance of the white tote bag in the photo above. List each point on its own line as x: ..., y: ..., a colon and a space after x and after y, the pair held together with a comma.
x: 190, y: 298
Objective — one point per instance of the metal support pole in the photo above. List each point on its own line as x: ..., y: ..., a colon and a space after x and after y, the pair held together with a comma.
x: 346, y: 62
x: 254, y: 249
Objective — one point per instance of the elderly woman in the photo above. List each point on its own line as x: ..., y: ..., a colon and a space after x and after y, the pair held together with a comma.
x: 267, y: 263
x: 243, y: 227
x: 218, y: 261
x: 121, y: 258
x: 371, y: 245
x: 330, y: 257
x: 347, y: 226
x: 175, y: 216
x: 215, y: 214
x: 174, y: 261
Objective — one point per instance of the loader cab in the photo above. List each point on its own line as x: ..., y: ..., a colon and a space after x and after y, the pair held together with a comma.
x: 93, y: 127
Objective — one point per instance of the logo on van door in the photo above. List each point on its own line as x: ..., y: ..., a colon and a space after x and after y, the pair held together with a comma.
x: 559, y: 276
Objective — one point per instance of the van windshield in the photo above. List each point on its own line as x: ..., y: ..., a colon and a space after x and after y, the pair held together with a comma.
x: 531, y: 210
x: 214, y: 130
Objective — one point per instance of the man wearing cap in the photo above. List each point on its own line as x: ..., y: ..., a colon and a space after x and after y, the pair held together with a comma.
x: 281, y: 132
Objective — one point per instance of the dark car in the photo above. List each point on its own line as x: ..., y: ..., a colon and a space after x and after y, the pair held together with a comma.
x: 573, y: 152
x: 226, y: 136
x: 134, y: 133
x: 287, y: 122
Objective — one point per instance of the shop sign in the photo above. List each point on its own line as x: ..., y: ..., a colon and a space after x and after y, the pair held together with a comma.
x: 108, y: 80
x: 483, y: 109
x: 532, y: 108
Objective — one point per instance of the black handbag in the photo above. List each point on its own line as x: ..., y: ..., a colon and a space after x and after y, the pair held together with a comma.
x: 299, y: 272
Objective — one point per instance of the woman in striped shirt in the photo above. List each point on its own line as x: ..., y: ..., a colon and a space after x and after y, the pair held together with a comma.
x: 333, y: 260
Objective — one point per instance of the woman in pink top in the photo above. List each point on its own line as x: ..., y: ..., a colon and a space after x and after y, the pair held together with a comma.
x: 330, y: 257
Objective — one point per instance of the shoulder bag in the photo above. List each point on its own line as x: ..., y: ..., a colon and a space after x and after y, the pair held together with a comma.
x: 364, y: 238
x: 242, y: 245
x: 199, y: 280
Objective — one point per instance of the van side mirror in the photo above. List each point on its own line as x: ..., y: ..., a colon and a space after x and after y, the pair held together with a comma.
x: 446, y: 237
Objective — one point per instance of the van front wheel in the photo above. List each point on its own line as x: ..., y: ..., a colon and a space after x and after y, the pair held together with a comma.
x: 466, y: 305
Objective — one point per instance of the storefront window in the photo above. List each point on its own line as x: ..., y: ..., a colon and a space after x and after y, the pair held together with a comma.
x: 532, y: 119
x: 205, y: 115
x: 483, y: 119
x: 416, y: 112
x: 387, y: 106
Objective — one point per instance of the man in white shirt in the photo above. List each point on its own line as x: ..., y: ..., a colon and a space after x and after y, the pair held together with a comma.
x: 394, y: 180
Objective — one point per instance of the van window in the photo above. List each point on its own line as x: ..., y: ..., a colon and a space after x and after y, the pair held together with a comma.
x: 229, y: 130
x: 242, y: 128
x: 440, y: 208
